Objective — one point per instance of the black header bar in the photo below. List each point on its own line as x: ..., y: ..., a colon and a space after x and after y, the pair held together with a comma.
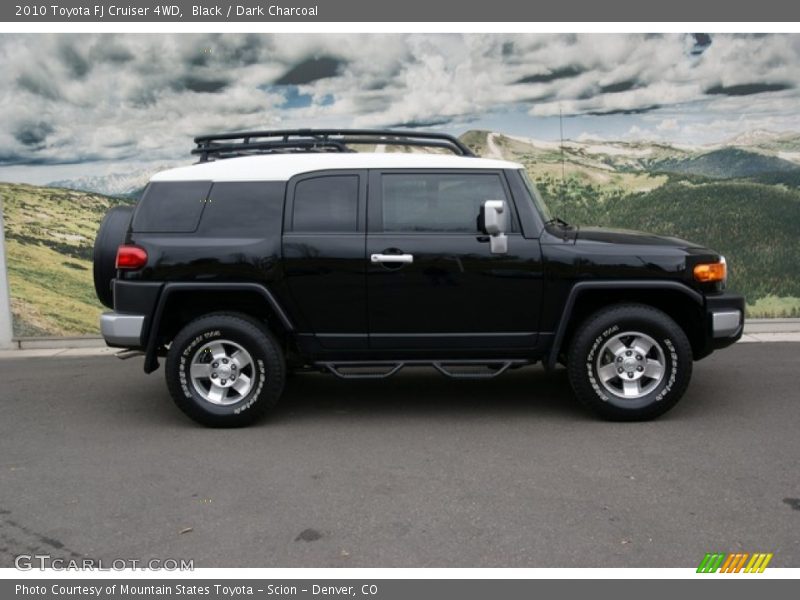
x: 272, y: 11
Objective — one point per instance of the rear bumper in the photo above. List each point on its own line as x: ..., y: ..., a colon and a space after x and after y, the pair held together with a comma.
x: 725, y: 318
x: 122, y: 330
x: 134, y: 303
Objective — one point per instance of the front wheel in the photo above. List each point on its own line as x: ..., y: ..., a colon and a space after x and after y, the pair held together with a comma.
x: 225, y: 370
x: 629, y: 362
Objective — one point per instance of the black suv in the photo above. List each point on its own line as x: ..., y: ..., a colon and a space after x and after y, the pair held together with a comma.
x: 282, y: 251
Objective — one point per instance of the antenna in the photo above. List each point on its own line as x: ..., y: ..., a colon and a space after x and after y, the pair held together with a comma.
x: 563, y: 162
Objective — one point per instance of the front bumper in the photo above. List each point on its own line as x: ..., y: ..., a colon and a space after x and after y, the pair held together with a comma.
x: 725, y: 318
x: 726, y: 323
x: 122, y: 330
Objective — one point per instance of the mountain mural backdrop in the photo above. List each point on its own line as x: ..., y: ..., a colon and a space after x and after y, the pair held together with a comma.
x: 741, y: 198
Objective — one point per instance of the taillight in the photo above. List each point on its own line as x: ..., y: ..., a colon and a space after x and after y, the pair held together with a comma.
x: 131, y: 257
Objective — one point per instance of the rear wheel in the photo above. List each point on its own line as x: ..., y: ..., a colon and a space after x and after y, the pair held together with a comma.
x: 629, y: 362
x: 225, y: 370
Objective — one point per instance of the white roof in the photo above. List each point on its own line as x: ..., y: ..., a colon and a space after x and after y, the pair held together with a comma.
x: 281, y: 167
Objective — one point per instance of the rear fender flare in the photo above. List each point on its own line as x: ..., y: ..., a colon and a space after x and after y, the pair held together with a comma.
x: 151, y: 346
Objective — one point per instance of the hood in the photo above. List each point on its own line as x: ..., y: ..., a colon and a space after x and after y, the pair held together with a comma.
x: 630, y: 237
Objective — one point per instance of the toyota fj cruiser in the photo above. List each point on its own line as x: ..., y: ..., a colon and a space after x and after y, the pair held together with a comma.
x: 286, y: 250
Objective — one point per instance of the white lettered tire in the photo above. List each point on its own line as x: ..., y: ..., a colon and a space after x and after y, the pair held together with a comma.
x: 225, y: 370
x: 629, y: 362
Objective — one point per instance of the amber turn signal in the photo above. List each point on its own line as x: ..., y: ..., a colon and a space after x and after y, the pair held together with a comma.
x: 711, y: 272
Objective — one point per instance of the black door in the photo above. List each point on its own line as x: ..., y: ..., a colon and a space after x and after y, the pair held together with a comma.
x: 324, y: 256
x: 434, y: 282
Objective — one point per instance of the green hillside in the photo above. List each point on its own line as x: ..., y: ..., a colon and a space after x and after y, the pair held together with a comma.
x: 727, y: 163
x: 756, y: 226
x: 49, y: 237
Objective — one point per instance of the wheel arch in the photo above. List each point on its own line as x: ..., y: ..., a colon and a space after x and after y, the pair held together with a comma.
x: 181, y: 302
x: 683, y: 304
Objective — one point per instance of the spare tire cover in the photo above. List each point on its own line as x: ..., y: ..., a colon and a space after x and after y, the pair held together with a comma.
x: 110, y: 235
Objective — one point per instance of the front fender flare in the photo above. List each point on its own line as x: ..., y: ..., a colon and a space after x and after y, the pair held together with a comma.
x: 584, y: 286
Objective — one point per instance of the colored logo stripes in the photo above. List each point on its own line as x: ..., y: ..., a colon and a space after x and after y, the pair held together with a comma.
x: 739, y: 562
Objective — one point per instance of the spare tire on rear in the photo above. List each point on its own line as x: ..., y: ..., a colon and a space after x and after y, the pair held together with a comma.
x: 110, y: 235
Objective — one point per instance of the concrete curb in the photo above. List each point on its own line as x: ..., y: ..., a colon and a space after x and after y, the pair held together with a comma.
x: 752, y: 326
x: 52, y: 343
x: 58, y: 352
x: 772, y: 326
x: 789, y: 336
x: 97, y: 350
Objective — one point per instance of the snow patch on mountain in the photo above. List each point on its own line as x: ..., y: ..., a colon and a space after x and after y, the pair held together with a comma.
x: 122, y: 183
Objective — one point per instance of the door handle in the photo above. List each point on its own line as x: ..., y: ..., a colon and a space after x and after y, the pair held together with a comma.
x: 405, y: 259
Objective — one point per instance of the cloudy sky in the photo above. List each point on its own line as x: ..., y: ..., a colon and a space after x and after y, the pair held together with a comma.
x: 79, y: 104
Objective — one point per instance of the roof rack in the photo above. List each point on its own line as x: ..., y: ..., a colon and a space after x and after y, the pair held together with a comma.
x: 247, y: 143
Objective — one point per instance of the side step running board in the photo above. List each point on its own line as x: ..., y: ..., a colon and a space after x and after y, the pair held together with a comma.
x: 472, y: 371
x: 359, y: 370
x: 456, y: 368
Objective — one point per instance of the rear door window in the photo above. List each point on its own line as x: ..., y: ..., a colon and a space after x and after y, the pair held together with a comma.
x: 326, y: 204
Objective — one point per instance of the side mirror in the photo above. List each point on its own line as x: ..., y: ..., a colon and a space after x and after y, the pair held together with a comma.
x: 495, y: 223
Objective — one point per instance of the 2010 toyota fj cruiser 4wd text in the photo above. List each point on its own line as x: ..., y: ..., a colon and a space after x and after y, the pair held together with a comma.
x: 286, y: 250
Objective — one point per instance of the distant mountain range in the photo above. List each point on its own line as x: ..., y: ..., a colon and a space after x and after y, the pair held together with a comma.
x: 127, y: 184
x: 751, y: 154
x: 747, y: 155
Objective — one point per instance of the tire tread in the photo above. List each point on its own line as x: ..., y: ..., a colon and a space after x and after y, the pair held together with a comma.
x: 598, y: 322
x: 274, y: 385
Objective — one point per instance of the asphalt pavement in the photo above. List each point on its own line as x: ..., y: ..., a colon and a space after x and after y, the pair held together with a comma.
x: 414, y: 471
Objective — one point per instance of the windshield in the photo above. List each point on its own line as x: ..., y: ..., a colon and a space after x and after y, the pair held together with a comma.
x: 538, y: 202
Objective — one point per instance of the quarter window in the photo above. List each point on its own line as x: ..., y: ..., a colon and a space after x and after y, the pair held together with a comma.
x: 171, y: 207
